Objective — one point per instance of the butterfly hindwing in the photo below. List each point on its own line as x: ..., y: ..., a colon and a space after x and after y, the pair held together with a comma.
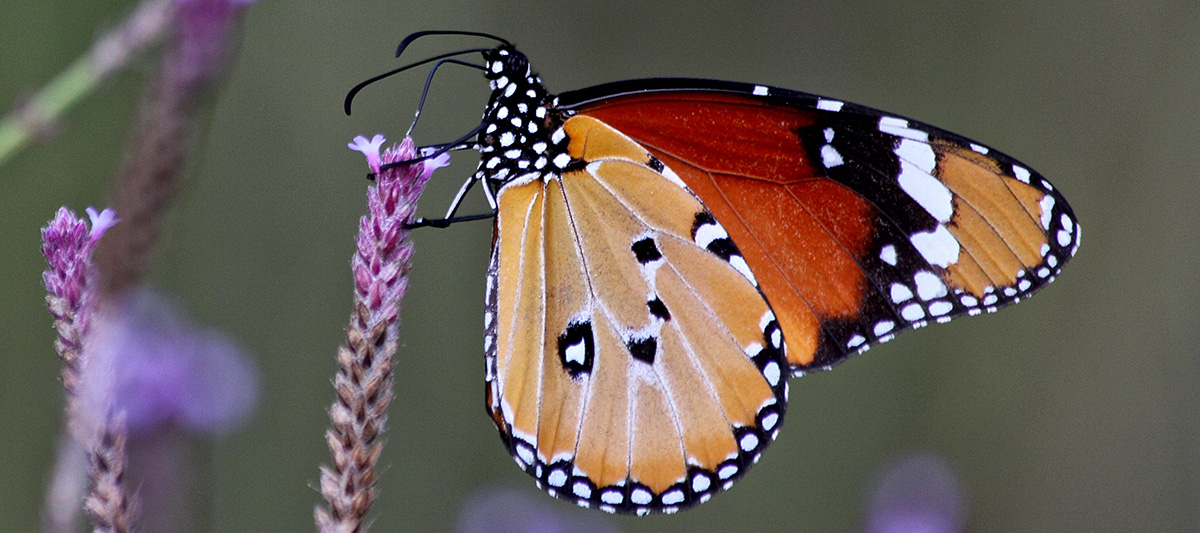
x: 636, y: 365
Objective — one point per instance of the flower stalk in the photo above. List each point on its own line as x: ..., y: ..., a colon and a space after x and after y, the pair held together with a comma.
x: 363, y: 383
x: 68, y: 244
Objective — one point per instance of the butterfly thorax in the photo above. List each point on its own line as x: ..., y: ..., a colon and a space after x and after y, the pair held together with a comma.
x: 522, y: 139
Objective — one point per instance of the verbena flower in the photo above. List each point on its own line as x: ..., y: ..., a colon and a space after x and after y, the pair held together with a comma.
x: 67, y: 244
x: 363, y: 384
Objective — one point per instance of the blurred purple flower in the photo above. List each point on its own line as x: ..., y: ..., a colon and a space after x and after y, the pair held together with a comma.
x: 518, y: 511
x: 158, y: 368
x: 202, y: 33
x: 918, y: 493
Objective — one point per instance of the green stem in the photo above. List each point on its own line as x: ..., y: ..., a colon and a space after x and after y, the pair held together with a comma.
x: 45, y: 107
x: 109, y: 53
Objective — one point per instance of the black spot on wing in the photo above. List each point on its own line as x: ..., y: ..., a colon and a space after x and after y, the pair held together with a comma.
x: 577, y: 349
x: 646, y: 251
x: 643, y: 349
x: 656, y: 165
x: 724, y: 248
x: 659, y: 309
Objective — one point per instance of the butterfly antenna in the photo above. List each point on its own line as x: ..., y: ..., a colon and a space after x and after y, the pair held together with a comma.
x: 361, y: 86
x: 428, y: 81
x: 417, y: 35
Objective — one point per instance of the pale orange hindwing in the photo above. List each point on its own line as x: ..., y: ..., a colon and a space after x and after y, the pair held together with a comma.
x: 633, y: 362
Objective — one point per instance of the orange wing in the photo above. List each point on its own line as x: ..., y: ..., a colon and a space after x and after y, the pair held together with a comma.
x: 633, y: 363
x: 857, y: 224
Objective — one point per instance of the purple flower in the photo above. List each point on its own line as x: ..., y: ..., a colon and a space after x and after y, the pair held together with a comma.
x: 158, y: 368
x: 916, y: 494
x: 370, y: 149
x: 364, y: 380
x: 100, y: 222
x: 68, y: 243
x: 382, y: 259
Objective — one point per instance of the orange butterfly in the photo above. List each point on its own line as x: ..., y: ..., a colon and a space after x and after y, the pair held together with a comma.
x: 657, y: 241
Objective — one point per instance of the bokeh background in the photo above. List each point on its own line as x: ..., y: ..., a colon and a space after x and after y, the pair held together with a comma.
x: 1075, y: 411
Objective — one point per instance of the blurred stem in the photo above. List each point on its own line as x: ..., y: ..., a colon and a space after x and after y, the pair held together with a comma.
x: 110, y: 53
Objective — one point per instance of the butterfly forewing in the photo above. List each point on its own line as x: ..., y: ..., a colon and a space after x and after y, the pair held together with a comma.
x: 636, y: 368
x: 857, y: 224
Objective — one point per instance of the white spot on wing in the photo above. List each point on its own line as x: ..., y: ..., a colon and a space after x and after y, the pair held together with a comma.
x: 883, y: 326
x: 855, y: 341
x: 727, y: 471
x: 672, y: 497
x: 740, y: 265
x: 765, y: 320
x: 641, y: 496
x: 925, y: 189
x: 612, y: 497
x: 888, y: 254
x: 759, y: 90
x: 749, y: 442
x: 929, y: 285
x: 575, y: 353
x: 917, y: 153
x: 708, y: 233
x: 829, y: 105
x: 1047, y: 206
x: 938, y: 247
x: 830, y: 157
x: 1064, y: 238
x: 769, y: 421
x: 526, y: 454
x: 1021, y: 173
x: 899, y: 127
x: 581, y: 489
x: 771, y: 372
x: 912, y: 312
x: 940, y: 308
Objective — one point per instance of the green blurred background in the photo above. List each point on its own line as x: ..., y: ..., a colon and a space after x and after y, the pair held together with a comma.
x: 1075, y: 411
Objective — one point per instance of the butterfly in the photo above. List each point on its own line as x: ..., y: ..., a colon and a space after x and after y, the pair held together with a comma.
x: 667, y: 252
